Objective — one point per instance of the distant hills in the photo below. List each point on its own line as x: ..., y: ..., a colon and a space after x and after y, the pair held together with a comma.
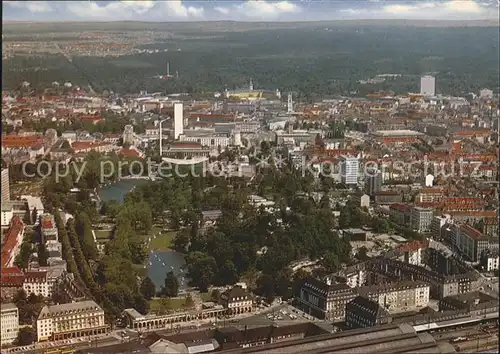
x: 225, y: 26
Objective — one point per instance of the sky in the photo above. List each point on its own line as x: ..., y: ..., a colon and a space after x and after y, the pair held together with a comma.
x: 249, y: 10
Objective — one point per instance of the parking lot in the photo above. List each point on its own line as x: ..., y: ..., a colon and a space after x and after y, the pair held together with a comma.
x: 283, y: 314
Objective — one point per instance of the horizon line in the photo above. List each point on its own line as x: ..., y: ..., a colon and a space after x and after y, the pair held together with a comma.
x: 263, y: 21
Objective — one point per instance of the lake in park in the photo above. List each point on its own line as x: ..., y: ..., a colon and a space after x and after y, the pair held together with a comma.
x: 160, y: 262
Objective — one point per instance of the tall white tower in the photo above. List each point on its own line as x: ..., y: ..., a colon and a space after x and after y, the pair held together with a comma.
x: 349, y: 167
x: 251, y: 85
x: 237, y: 138
x: 428, y: 85
x: 128, y: 136
x: 290, y: 103
x: 178, y: 120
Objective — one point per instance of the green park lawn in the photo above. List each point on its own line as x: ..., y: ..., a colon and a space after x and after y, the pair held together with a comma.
x: 162, y: 241
x: 206, y: 297
x: 166, y: 304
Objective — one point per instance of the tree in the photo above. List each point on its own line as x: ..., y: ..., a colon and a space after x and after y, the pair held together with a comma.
x: 43, y: 255
x: 23, y: 258
x: 227, y: 274
x: 171, y: 288
x: 83, y: 228
x: 380, y: 225
x: 266, y: 287
x: 34, y: 215
x: 362, y: 254
x: 140, y: 304
x: 345, y: 218
x: 189, y: 303
x: 26, y: 336
x: 215, y: 295
x: 330, y: 262
x: 181, y: 240
x: 148, y: 288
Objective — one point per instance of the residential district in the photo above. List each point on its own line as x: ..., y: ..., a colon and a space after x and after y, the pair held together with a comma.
x: 421, y: 275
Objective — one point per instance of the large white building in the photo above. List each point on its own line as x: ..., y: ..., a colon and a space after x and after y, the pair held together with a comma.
x: 486, y: 94
x: 206, y: 138
x: 349, y: 168
x: 5, y: 185
x: 9, y: 319
x: 421, y: 219
x: 7, y: 213
x: 72, y: 320
x: 428, y: 85
x: 178, y: 120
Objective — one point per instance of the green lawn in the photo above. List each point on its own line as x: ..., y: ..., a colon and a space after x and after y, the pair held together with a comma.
x: 206, y: 297
x: 141, y: 270
x: 166, y: 305
x: 162, y: 241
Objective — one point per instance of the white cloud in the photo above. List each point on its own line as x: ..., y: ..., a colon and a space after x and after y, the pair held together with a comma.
x: 222, y: 10
x: 447, y: 10
x: 266, y: 9
x: 177, y: 9
x: 464, y: 6
x: 31, y: 6
x: 120, y: 10
x: 140, y: 7
x: 395, y: 9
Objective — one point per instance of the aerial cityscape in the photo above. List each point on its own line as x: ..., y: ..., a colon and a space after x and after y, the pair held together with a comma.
x: 250, y: 177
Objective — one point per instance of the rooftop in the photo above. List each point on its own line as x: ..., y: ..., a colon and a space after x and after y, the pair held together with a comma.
x: 8, y: 306
x: 396, y: 133
x: 57, y: 310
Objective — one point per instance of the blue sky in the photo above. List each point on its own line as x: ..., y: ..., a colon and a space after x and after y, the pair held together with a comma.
x: 249, y: 10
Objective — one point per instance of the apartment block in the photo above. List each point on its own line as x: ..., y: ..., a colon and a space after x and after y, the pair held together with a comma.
x: 10, y: 323
x: 471, y: 242
x: 400, y: 296
x: 421, y: 219
x: 437, y: 224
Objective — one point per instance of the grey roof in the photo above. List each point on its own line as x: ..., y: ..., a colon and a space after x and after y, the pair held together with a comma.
x: 203, y: 346
x: 81, y: 306
x: 370, y: 306
x: 8, y: 306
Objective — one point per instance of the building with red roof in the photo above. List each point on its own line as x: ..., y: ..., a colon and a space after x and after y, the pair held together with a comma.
x: 17, y: 141
x: 48, y: 228
x: 12, y: 242
x: 131, y: 153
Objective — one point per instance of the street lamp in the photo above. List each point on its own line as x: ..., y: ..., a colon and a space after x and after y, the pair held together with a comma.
x: 161, y: 136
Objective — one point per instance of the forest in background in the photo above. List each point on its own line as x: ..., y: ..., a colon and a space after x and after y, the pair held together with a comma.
x: 313, y: 61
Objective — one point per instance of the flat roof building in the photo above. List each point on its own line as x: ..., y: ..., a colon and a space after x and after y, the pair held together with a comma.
x: 9, y: 318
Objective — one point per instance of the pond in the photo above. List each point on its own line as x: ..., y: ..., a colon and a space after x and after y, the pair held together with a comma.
x: 160, y: 262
